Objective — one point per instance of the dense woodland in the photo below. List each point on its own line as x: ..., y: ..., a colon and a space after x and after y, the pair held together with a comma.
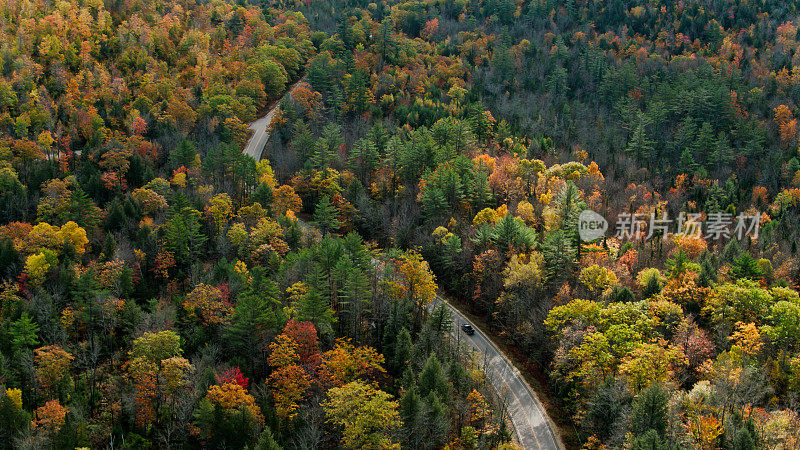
x: 161, y: 289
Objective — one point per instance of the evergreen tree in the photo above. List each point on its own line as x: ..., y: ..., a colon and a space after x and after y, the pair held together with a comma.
x: 650, y: 440
x: 325, y: 216
x: 432, y: 379
x: 363, y: 159
x: 410, y: 412
x: 267, y: 441
x: 354, y: 296
x: 650, y: 410
x: 24, y: 333
x: 743, y: 440
x: 640, y: 146
x: 403, y: 350
x: 436, y: 423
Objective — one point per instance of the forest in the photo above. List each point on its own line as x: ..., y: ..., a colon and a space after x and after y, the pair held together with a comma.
x: 162, y: 289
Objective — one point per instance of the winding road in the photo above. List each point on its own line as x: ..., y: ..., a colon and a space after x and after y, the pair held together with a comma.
x: 255, y: 146
x: 531, y: 423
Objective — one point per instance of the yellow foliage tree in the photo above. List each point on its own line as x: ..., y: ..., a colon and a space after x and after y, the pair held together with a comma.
x: 367, y: 415
x: 220, y: 210
x: 486, y: 216
x: 526, y: 212
x: 231, y: 396
x: 415, y: 281
x: 597, y: 279
x: 52, y: 364
x: 207, y: 304
x: 265, y: 173
x: 36, y: 267
x: 648, y: 363
x: 285, y: 199
x: 73, y: 235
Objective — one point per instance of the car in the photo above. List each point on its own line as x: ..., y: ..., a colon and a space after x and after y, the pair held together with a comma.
x: 467, y: 328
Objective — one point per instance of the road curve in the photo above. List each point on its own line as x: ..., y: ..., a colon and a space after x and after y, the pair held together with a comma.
x: 255, y: 146
x: 531, y: 423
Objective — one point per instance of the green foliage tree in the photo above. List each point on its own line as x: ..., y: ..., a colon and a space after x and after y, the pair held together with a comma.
x: 649, y: 411
x: 325, y: 216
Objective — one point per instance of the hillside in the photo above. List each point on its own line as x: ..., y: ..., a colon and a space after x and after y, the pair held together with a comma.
x: 612, y: 187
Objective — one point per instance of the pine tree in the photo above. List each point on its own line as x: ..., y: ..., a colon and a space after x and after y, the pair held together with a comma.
x: 436, y: 422
x: 571, y: 204
x: 24, y: 332
x: 559, y: 255
x: 640, y: 145
x: 434, y: 203
x: 267, y: 441
x: 650, y: 410
x: 403, y: 350
x: 256, y: 315
x: 363, y: 159
x: 325, y: 216
x: 354, y: 295
x: 432, y: 379
x: 410, y: 412
x: 183, y: 235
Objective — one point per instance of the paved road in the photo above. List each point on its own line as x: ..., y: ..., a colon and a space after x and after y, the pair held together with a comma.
x: 530, y: 420
x: 256, y: 144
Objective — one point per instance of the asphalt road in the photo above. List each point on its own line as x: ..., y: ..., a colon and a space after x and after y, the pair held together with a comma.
x: 255, y: 146
x: 531, y: 423
x: 527, y: 414
x: 257, y: 142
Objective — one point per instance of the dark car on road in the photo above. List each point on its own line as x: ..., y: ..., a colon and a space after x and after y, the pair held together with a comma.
x: 467, y: 328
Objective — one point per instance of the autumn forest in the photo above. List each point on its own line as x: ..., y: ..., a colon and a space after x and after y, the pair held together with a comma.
x: 604, y: 194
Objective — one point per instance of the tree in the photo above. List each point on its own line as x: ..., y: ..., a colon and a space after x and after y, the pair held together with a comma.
x: 433, y: 379
x: 435, y: 423
x: 183, y: 236
x: 650, y: 410
x: 363, y: 159
x: 744, y: 301
x: 784, y: 327
x: 305, y: 335
x: 597, y: 279
x: 52, y: 365
x: 354, y: 296
x: 255, y: 317
x: 325, y: 216
x: 288, y: 381
x: 411, y: 416
x: 24, y: 333
x: 158, y: 346
x: 641, y: 146
x: 49, y: 418
x: 232, y: 396
x: 285, y: 200
x: 345, y: 363
x: 511, y: 233
x: 157, y: 371
x: 648, y: 363
x: 13, y: 418
x: 415, y: 282
x: 649, y: 441
x: 73, y: 237
x: 367, y: 415
x: 37, y: 266
x: 207, y: 305
x: 558, y: 254
x: 220, y: 210
x: 228, y: 417
x: 267, y: 441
